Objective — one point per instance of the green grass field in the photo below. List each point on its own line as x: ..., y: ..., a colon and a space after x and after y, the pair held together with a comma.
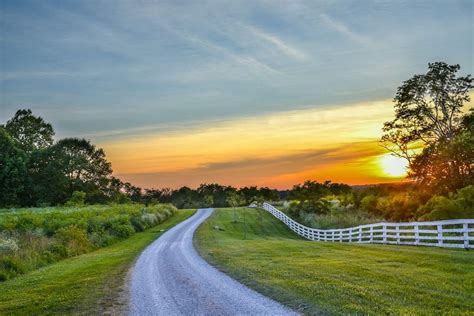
x: 89, y: 284
x: 336, y: 278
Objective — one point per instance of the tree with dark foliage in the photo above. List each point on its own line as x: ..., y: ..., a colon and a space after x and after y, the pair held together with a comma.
x: 12, y: 170
x: 70, y: 165
x: 428, y: 114
x: 428, y: 109
x: 446, y: 166
x: 29, y: 131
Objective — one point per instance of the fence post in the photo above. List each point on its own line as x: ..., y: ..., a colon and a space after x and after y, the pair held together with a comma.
x: 384, y: 233
x: 371, y: 236
x: 465, y: 235
x: 398, y: 234
x: 440, y: 235
x: 360, y: 234
x: 417, y: 235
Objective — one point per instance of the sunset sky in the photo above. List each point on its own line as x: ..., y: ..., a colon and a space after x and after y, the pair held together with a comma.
x: 267, y: 93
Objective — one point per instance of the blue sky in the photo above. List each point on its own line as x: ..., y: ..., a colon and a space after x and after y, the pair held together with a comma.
x: 122, y: 72
x: 99, y: 68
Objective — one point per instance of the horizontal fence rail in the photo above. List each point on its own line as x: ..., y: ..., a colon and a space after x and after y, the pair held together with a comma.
x: 456, y: 233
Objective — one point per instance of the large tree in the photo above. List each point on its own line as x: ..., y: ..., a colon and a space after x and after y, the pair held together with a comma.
x: 70, y: 165
x: 29, y: 131
x: 429, y: 116
x: 82, y: 163
x: 12, y: 170
x: 428, y: 109
x: 446, y: 166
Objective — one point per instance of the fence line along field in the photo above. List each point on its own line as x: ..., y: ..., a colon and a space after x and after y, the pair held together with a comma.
x: 457, y: 233
x: 336, y: 278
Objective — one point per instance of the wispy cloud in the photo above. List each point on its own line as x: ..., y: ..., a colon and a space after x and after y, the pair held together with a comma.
x: 242, y: 59
x: 184, y: 29
x: 277, y: 42
x: 343, y: 29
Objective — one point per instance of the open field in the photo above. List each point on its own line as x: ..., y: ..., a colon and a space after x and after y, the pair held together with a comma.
x: 336, y: 278
x: 91, y: 283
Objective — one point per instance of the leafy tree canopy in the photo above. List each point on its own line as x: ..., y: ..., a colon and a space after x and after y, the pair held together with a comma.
x: 12, y: 170
x: 446, y: 166
x: 81, y: 160
x: 29, y: 131
x: 427, y: 109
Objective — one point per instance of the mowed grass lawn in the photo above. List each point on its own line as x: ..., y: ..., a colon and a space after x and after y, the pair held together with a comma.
x: 90, y: 284
x: 337, y: 278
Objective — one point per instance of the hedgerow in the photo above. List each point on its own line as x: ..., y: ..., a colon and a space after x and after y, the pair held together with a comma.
x: 32, y: 238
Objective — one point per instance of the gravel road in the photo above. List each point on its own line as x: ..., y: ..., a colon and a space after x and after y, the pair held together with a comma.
x: 170, y: 278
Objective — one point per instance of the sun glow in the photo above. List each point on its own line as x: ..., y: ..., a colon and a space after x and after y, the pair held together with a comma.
x: 393, y: 166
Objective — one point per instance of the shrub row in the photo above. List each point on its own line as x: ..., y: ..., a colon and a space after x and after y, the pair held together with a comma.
x: 30, y: 239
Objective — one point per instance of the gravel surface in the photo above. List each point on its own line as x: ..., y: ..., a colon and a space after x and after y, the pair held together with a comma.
x: 170, y: 278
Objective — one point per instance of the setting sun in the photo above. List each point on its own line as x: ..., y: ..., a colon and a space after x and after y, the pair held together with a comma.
x: 393, y: 166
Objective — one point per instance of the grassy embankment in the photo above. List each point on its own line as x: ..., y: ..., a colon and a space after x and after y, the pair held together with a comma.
x: 33, y: 238
x: 318, y: 277
x: 89, y: 284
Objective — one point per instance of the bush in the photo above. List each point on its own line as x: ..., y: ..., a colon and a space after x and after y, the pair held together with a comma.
x: 369, y: 203
x: 28, y: 222
x: 339, y: 217
x: 39, y: 237
x: 334, y: 213
x: 122, y: 231
x: 77, y: 199
x: 11, y: 266
x: 137, y: 224
x: 460, y: 205
x: 8, y: 245
x: 320, y: 206
x: 74, y: 239
x: 58, y: 250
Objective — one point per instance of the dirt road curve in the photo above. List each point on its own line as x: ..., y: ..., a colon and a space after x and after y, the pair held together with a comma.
x: 170, y: 278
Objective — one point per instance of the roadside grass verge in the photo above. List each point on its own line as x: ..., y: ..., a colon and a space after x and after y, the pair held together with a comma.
x: 89, y: 284
x: 336, y: 278
x: 34, y: 238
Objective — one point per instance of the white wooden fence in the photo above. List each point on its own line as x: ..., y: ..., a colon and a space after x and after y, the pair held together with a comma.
x: 456, y: 233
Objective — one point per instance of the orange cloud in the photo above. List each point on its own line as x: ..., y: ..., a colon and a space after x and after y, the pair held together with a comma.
x: 350, y: 163
x: 280, y: 149
x: 338, y: 143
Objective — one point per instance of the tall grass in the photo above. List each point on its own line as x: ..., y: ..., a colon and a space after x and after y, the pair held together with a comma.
x: 338, y: 215
x: 338, y: 219
x: 32, y: 238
